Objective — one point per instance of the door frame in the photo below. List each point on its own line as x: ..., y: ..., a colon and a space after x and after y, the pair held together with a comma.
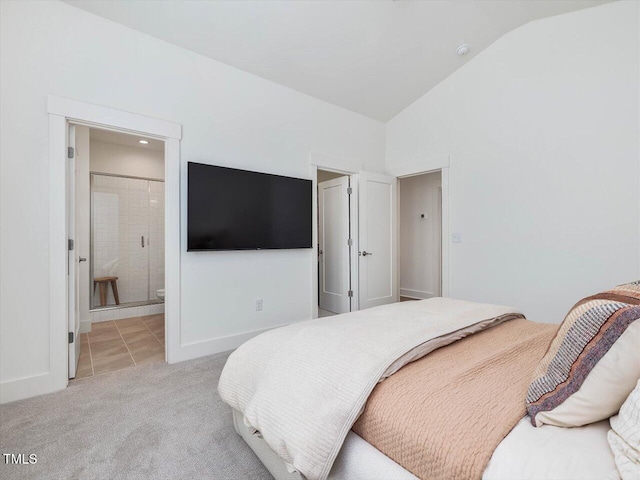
x: 441, y: 165
x: 62, y: 112
x: 330, y: 164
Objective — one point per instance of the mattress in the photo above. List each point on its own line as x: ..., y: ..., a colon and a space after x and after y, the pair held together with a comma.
x: 553, y: 453
x: 527, y: 453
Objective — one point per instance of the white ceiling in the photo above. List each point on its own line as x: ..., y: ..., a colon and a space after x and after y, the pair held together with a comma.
x: 372, y: 57
x: 120, y: 138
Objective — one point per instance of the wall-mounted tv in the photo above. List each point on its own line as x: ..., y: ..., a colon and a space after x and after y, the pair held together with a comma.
x: 230, y: 209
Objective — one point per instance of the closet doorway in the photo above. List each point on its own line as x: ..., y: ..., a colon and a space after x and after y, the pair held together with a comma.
x: 420, y: 263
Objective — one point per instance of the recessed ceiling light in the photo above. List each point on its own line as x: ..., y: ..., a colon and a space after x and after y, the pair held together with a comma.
x: 462, y: 49
x: 144, y: 142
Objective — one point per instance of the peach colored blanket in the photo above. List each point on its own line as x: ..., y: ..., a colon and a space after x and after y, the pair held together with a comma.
x: 441, y: 417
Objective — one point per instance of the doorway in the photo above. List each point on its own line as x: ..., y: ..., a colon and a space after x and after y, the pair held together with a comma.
x: 117, y: 224
x: 420, y: 219
x: 63, y: 329
x: 366, y: 206
x: 335, y: 291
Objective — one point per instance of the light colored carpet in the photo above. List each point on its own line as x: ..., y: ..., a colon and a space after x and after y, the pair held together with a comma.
x: 148, y: 422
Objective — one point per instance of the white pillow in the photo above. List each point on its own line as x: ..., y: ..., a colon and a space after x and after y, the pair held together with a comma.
x: 624, y: 436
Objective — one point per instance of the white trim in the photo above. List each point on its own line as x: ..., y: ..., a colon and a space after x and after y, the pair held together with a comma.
x: 61, y: 111
x: 202, y: 348
x: 85, y: 326
x: 355, y: 237
x: 446, y: 237
x: 421, y: 169
x: 172, y: 250
x: 25, y: 387
x: 112, y: 118
x: 313, y: 173
x: 327, y: 162
x: 419, y: 294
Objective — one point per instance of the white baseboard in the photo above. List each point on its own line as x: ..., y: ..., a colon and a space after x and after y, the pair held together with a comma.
x: 406, y: 292
x: 216, y: 345
x: 32, y: 386
x: 44, y: 383
x: 85, y: 326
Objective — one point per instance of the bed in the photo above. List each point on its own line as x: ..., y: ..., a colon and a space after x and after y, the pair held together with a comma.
x: 526, y: 453
x: 431, y: 389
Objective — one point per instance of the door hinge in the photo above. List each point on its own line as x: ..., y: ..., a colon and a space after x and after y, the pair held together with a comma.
x: 70, y: 337
x: 71, y: 244
x: 71, y: 152
x: 350, y: 293
x: 350, y: 242
x: 349, y: 191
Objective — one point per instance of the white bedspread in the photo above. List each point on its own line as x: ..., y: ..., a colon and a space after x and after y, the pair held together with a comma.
x: 303, y: 386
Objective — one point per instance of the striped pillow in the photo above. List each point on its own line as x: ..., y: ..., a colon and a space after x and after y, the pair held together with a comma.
x: 592, y: 364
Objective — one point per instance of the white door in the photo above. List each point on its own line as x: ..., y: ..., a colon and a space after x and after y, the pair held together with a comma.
x: 333, y: 244
x: 377, y: 272
x: 73, y: 306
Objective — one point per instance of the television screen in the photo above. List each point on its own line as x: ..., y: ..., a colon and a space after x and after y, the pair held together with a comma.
x: 231, y: 209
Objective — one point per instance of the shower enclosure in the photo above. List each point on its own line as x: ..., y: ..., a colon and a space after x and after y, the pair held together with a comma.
x: 127, y: 239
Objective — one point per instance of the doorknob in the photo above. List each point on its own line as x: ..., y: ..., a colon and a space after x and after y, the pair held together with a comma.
x: 365, y: 253
x: 82, y: 259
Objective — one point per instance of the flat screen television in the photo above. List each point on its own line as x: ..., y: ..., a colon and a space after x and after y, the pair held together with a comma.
x: 230, y: 209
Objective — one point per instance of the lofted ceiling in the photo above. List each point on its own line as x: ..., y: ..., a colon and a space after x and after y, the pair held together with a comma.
x: 371, y: 57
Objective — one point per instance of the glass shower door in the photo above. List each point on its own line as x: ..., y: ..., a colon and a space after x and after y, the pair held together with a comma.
x: 120, y: 235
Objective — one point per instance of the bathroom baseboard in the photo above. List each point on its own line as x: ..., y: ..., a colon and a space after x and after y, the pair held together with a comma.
x: 85, y: 326
x: 126, y: 312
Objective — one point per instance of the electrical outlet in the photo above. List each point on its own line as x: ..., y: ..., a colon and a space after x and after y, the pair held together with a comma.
x: 456, y: 238
x: 259, y: 305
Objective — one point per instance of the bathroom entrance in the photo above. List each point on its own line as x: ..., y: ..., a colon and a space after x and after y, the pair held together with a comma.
x: 120, y: 236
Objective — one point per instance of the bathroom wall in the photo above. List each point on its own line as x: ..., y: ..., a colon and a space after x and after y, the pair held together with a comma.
x: 126, y: 160
x: 156, y: 237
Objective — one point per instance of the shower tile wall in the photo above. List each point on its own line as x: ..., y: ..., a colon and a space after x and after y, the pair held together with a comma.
x: 124, y: 212
x: 156, y: 237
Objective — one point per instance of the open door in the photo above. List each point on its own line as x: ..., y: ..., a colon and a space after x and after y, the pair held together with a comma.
x: 377, y: 272
x: 333, y: 245
x: 73, y: 308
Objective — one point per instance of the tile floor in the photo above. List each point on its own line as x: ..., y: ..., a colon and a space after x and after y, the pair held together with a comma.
x: 119, y: 344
